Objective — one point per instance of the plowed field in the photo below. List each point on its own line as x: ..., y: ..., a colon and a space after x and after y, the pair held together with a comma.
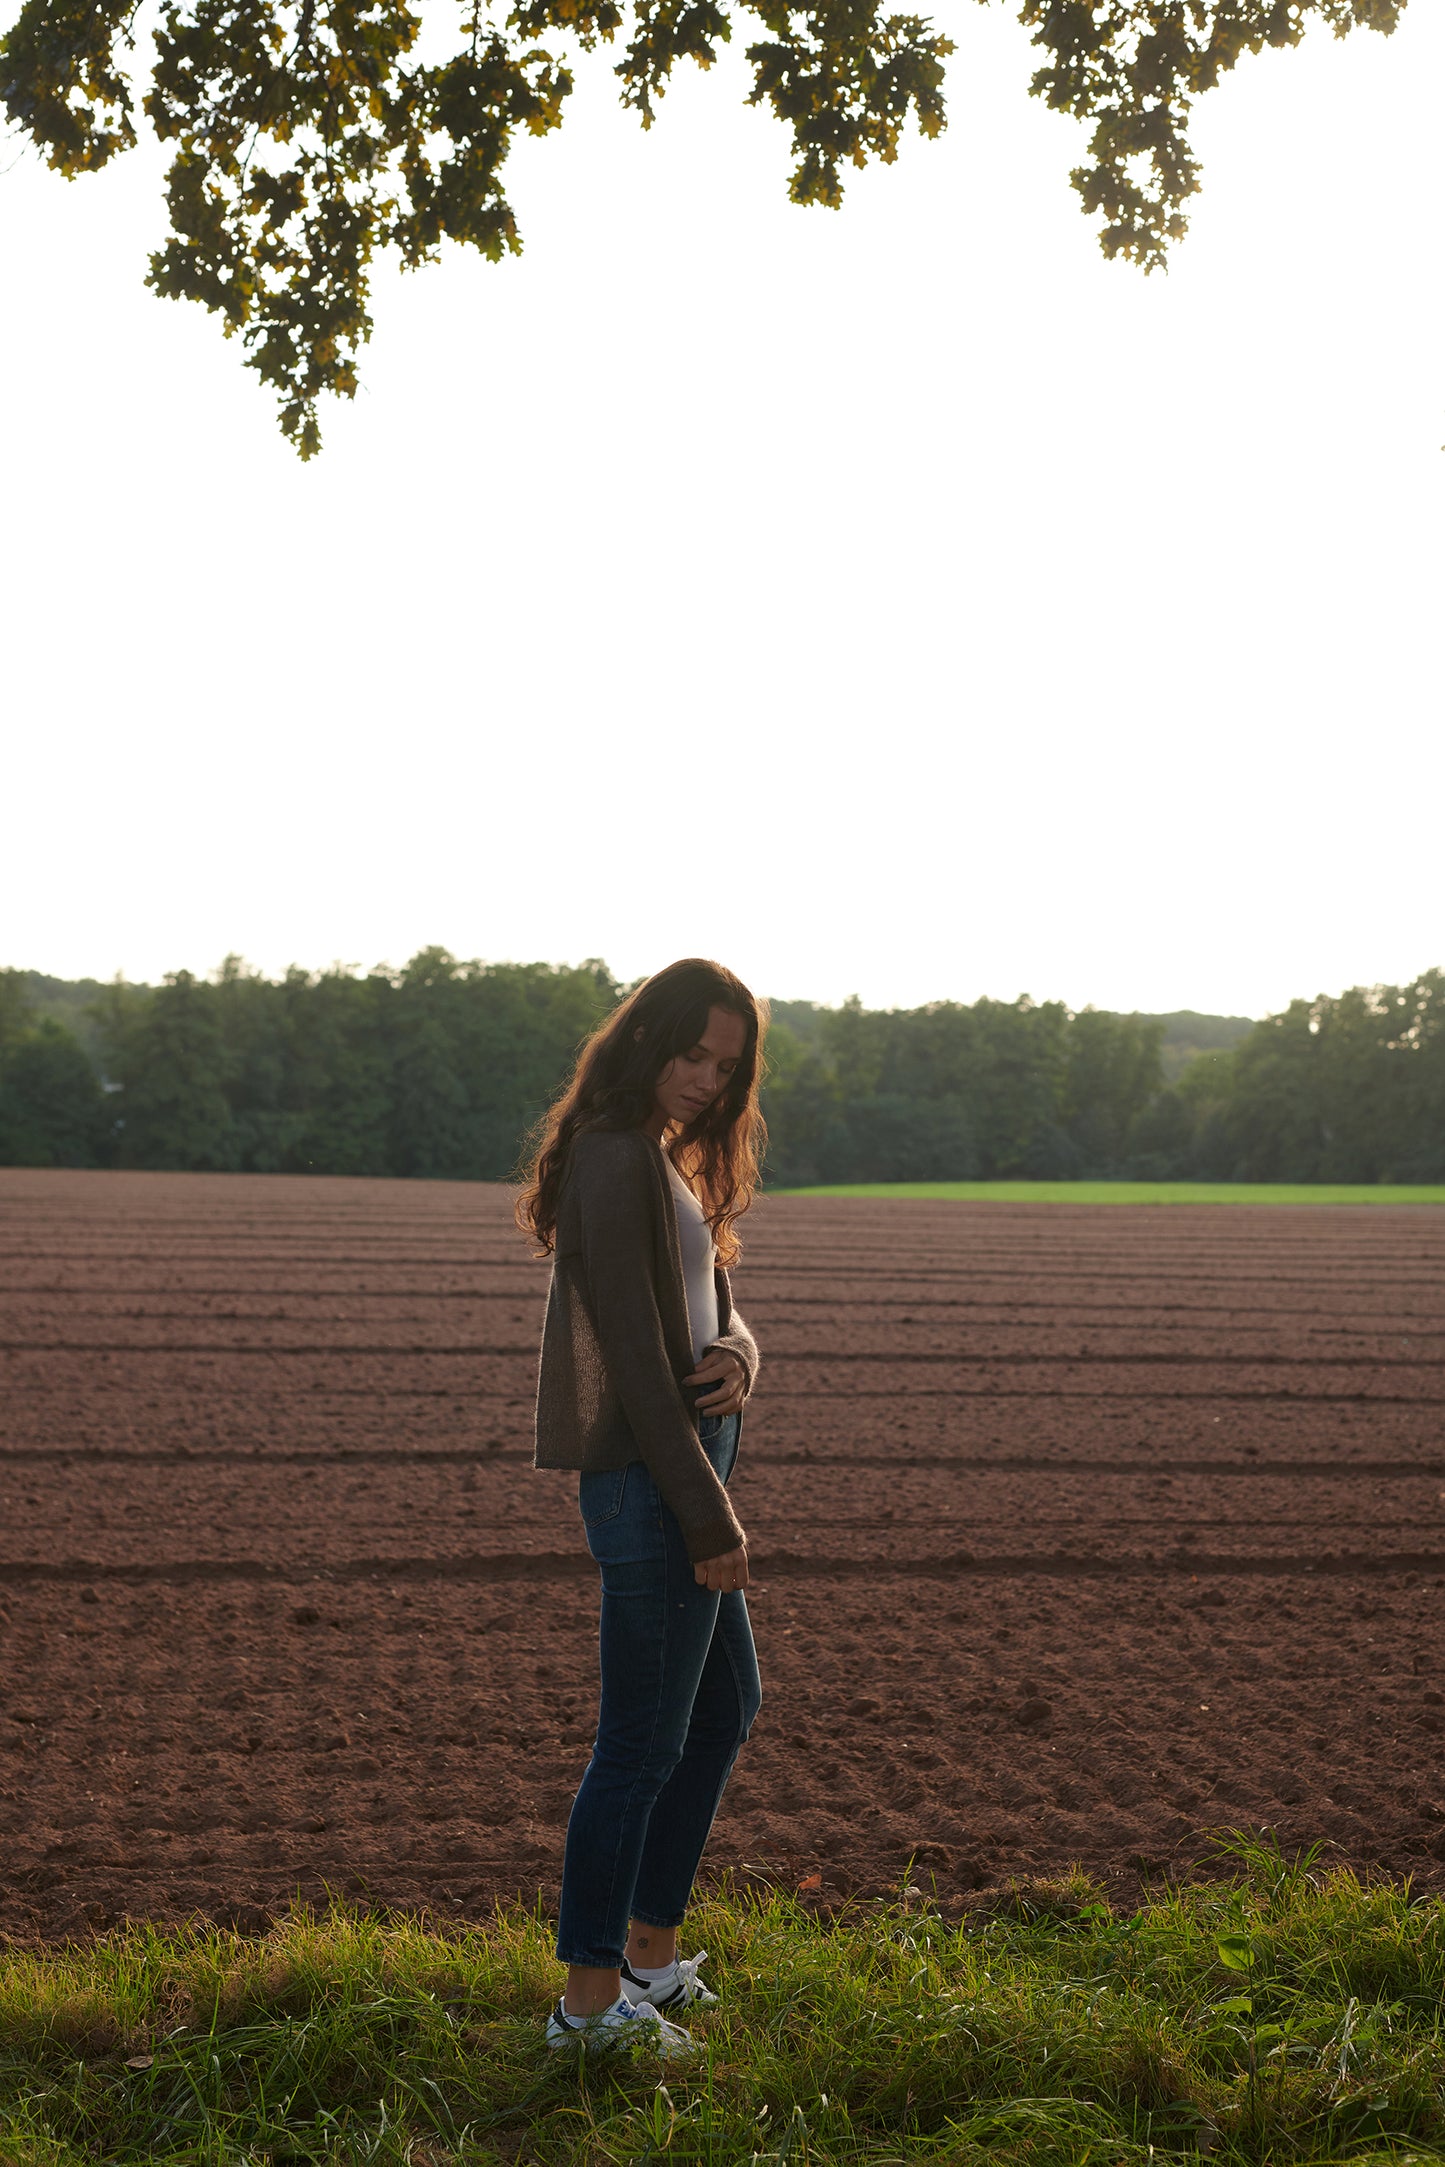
x: 1077, y: 1532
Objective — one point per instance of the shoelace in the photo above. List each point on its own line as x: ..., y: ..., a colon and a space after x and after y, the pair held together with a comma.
x: 687, y: 1979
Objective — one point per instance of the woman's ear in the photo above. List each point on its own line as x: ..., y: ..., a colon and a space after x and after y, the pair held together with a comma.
x: 637, y: 1034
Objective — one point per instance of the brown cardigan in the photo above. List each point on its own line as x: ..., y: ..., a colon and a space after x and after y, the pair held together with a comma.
x: 616, y: 1344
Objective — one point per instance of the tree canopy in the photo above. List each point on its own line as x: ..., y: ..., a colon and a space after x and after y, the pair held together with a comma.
x: 310, y: 134
x: 440, y: 1069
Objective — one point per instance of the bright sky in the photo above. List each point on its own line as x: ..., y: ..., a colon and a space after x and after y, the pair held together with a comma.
x: 901, y: 601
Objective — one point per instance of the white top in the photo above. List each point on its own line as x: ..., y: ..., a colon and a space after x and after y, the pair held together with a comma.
x: 699, y: 1255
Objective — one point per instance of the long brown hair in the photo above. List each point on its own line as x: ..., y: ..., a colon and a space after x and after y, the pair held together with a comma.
x: 613, y: 1087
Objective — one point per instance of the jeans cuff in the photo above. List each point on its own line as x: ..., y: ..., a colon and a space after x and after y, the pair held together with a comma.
x: 647, y: 1918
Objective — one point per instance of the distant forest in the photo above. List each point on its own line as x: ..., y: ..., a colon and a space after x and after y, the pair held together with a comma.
x: 439, y: 1070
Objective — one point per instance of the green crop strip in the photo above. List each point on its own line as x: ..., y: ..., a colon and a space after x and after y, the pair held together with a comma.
x: 1286, y: 2013
x: 1132, y: 1192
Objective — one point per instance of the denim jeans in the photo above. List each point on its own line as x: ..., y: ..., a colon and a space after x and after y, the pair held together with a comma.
x: 679, y: 1693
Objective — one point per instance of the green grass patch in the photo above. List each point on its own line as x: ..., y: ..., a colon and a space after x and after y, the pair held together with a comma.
x: 1282, y: 2015
x: 1135, y: 1192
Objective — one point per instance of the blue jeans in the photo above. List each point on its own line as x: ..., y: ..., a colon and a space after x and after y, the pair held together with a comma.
x: 679, y: 1693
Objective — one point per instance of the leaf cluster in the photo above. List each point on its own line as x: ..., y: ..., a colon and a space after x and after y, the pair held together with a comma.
x: 1134, y: 68
x: 310, y: 134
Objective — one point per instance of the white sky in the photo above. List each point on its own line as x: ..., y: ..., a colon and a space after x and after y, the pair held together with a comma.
x: 901, y: 601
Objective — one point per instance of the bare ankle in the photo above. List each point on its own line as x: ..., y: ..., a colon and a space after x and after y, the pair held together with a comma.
x: 589, y: 1990
x: 651, y: 1948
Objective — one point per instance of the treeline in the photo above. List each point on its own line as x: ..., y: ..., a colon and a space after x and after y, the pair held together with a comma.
x: 434, y: 1071
x: 1332, y: 1090
x: 438, y: 1070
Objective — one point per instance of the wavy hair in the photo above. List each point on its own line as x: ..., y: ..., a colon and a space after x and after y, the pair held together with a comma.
x: 614, y: 1084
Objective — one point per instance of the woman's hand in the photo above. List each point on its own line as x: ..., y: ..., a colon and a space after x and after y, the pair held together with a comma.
x: 724, y: 1369
x: 723, y: 1575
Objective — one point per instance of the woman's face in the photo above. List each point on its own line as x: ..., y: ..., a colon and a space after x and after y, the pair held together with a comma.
x: 690, y: 1083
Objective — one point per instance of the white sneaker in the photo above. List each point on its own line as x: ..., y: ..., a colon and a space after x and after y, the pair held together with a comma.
x: 625, y: 2024
x: 676, y: 1988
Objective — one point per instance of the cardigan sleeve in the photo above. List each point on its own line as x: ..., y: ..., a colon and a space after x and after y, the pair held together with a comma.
x: 618, y: 1237
x: 738, y: 1340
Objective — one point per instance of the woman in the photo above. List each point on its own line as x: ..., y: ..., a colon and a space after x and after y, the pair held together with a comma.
x: 645, y: 1162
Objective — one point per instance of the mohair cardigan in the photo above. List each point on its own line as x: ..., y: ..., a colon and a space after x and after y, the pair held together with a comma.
x: 616, y: 1343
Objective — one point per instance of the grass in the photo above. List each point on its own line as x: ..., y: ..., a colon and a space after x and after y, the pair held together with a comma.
x: 1136, y: 1192
x: 1282, y: 2014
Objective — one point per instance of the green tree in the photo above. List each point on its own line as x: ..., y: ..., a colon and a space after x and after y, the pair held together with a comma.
x: 478, y: 1050
x: 267, y: 1122
x: 804, y: 1107
x: 1181, y: 1134
x: 1014, y: 1084
x: 430, y: 1108
x: 1272, y: 1127
x: 52, y: 1106
x: 166, y: 1049
x: 1111, y: 1073
x: 309, y: 134
x: 436, y: 1071
x: 339, y: 1070
x: 16, y: 1014
x: 1417, y: 1147
x: 938, y: 1093
x: 1342, y: 1088
x: 520, y: 1026
x: 897, y: 1138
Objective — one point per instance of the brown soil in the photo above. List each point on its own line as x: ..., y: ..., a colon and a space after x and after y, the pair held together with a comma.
x: 1078, y: 1532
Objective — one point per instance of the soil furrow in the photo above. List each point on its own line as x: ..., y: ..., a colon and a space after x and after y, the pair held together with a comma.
x: 900, y: 1463
x: 1036, y: 1358
x: 498, y: 1566
x: 1139, y: 1556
